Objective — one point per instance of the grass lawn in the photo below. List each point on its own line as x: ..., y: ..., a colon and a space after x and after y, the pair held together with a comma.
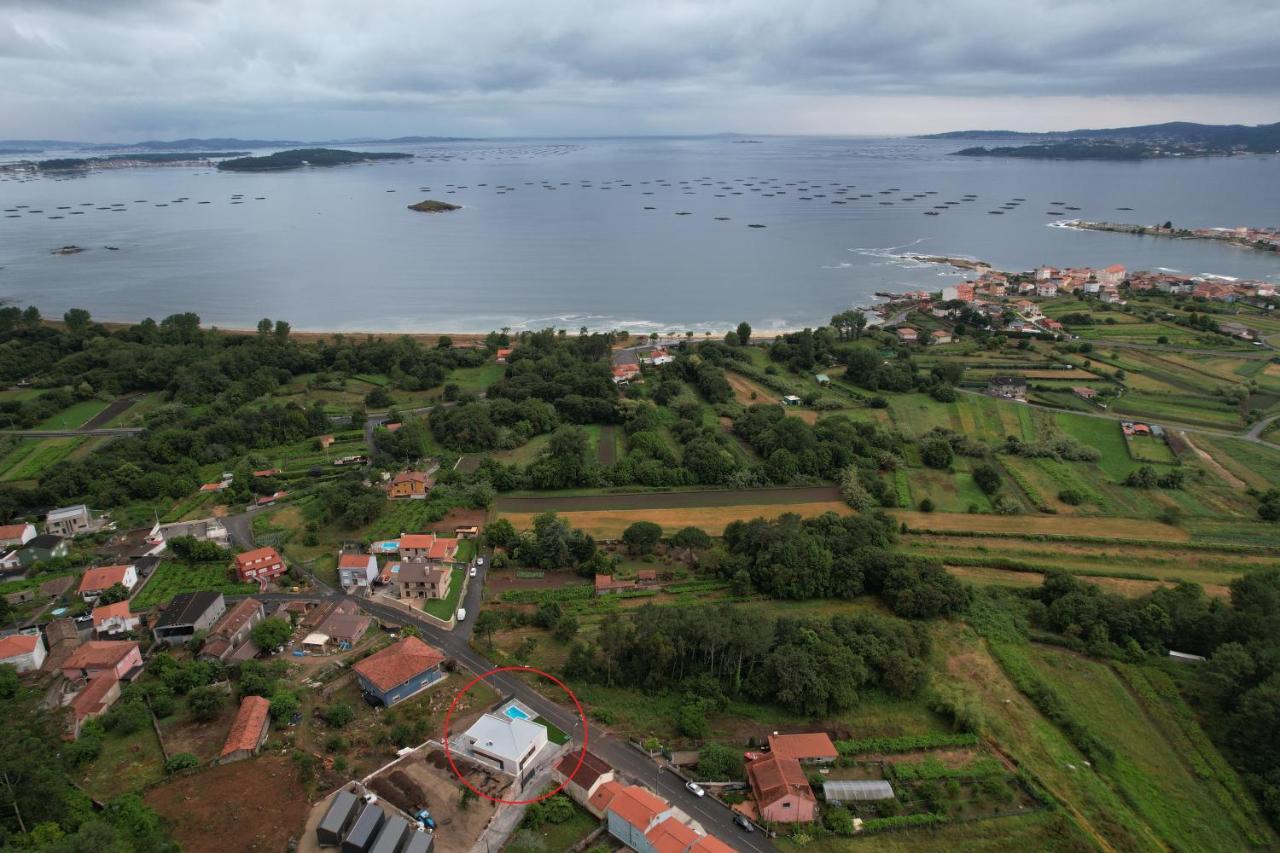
x: 74, y: 416
x: 475, y: 379
x: 554, y: 733
x: 170, y: 579
x: 126, y: 764
x: 444, y: 608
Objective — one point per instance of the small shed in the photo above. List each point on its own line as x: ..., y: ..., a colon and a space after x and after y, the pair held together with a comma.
x: 857, y: 791
x: 364, y: 830
x: 790, y: 400
x: 419, y: 841
x: 822, y: 379
x: 393, y: 832
x: 336, y: 820
x: 315, y: 642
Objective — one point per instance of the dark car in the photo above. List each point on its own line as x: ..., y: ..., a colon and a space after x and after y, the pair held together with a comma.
x: 744, y: 823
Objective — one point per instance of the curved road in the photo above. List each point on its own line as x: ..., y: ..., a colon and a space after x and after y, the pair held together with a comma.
x: 715, y: 817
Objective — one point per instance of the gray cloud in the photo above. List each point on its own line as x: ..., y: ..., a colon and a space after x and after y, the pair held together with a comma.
x: 129, y: 67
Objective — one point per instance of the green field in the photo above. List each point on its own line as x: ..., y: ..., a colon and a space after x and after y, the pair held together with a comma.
x: 33, y: 457
x: 1186, y: 810
x: 476, y: 379
x: 75, y: 416
x: 170, y: 579
x: 445, y: 608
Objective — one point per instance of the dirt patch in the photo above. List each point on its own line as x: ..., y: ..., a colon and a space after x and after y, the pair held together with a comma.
x: 953, y: 758
x: 425, y: 781
x: 204, y: 740
x: 110, y: 413
x: 1128, y: 587
x: 747, y: 392
x: 498, y: 581
x: 610, y: 524
x: 1214, y: 465
x: 456, y: 518
x: 607, y: 448
x: 257, y: 804
x: 662, y: 500
x: 1030, y: 525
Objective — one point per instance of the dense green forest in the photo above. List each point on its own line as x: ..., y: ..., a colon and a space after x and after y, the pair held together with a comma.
x: 299, y: 157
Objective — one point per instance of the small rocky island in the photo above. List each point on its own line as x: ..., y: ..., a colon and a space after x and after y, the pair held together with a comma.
x: 299, y: 157
x: 433, y: 206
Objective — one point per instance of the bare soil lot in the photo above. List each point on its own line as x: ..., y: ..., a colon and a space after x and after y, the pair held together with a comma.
x: 674, y: 500
x: 609, y: 524
x: 256, y: 804
x: 425, y: 781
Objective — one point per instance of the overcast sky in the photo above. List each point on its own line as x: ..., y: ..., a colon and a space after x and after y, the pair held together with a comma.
x: 132, y: 69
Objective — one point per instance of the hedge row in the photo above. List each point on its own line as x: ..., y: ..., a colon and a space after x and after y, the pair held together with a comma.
x: 906, y: 743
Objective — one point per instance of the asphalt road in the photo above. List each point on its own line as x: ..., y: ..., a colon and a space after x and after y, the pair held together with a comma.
x: 71, y: 433
x: 715, y: 817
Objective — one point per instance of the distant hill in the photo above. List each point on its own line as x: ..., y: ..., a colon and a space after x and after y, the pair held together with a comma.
x: 15, y: 146
x: 1171, y: 138
x: 299, y: 157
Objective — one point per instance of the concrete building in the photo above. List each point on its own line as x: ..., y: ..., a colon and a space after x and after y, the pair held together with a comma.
x: 188, y: 613
x: 400, y: 670
x: 357, y: 572
x: 229, y: 640
x: 68, y: 520
x: 506, y: 743
x: 24, y: 652
x: 16, y: 535
x: 97, y: 581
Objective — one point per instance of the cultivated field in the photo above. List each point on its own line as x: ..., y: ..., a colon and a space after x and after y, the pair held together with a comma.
x: 609, y: 524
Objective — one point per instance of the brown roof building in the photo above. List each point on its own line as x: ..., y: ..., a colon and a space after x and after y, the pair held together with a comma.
x: 400, y: 670
x: 813, y: 746
x: 249, y: 731
x: 781, y: 790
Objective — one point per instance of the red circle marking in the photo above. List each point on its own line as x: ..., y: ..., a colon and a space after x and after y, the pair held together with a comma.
x: 448, y: 753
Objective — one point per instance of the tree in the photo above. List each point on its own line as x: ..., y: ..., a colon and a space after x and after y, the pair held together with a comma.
x: 987, y: 478
x: 744, y: 333
x: 937, y: 453
x: 77, y: 320
x: 205, y: 703
x: 691, y: 539
x: 271, y: 632
x: 338, y: 714
x: 284, y: 704
x: 378, y: 398
x: 641, y: 537
x: 487, y: 622
x: 114, y: 593
x: 566, y: 629
x: 719, y: 763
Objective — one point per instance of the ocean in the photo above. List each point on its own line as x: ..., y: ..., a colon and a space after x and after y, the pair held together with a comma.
x: 646, y: 234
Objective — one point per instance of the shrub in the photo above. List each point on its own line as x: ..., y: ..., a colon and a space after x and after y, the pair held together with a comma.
x: 338, y: 714
x: 206, y: 703
x: 181, y: 761
x: 926, y: 505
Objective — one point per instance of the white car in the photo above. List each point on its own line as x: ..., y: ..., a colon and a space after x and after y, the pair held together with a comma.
x: 462, y: 614
x: 695, y: 789
x: 479, y: 561
x: 473, y: 571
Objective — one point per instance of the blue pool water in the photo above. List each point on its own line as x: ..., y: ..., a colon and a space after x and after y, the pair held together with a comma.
x: 515, y: 713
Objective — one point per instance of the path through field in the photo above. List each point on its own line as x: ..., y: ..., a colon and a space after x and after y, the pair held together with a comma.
x: 1234, y: 481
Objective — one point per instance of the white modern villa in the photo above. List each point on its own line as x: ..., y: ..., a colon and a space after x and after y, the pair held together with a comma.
x: 506, y: 742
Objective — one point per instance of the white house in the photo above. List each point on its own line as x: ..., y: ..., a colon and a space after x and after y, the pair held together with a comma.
x: 99, y: 580
x: 507, y: 743
x: 357, y: 571
x: 25, y: 652
x: 68, y: 520
x: 16, y: 535
x: 115, y: 618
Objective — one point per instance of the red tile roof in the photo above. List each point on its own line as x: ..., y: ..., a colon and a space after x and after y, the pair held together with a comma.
x: 398, y: 663
x: 671, y: 836
x: 110, y: 611
x: 92, y: 699
x: 437, y: 548
x: 773, y: 778
x: 638, y: 806
x: 235, y: 618
x: 710, y: 844
x: 23, y: 644
x: 251, y: 722
x: 103, y: 577
x: 13, y: 531
x: 604, y: 795
x: 593, y: 767
x: 99, y: 654
x: 353, y: 561
x: 257, y: 558
x: 804, y: 747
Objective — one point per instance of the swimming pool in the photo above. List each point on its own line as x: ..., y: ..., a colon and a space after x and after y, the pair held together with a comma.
x: 515, y: 713
x: 386, y: 547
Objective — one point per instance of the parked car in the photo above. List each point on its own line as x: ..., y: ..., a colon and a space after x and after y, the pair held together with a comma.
x: 743, y: 822
x: 462, y: 614
x: 695, y: 789
x: 473, y: 571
